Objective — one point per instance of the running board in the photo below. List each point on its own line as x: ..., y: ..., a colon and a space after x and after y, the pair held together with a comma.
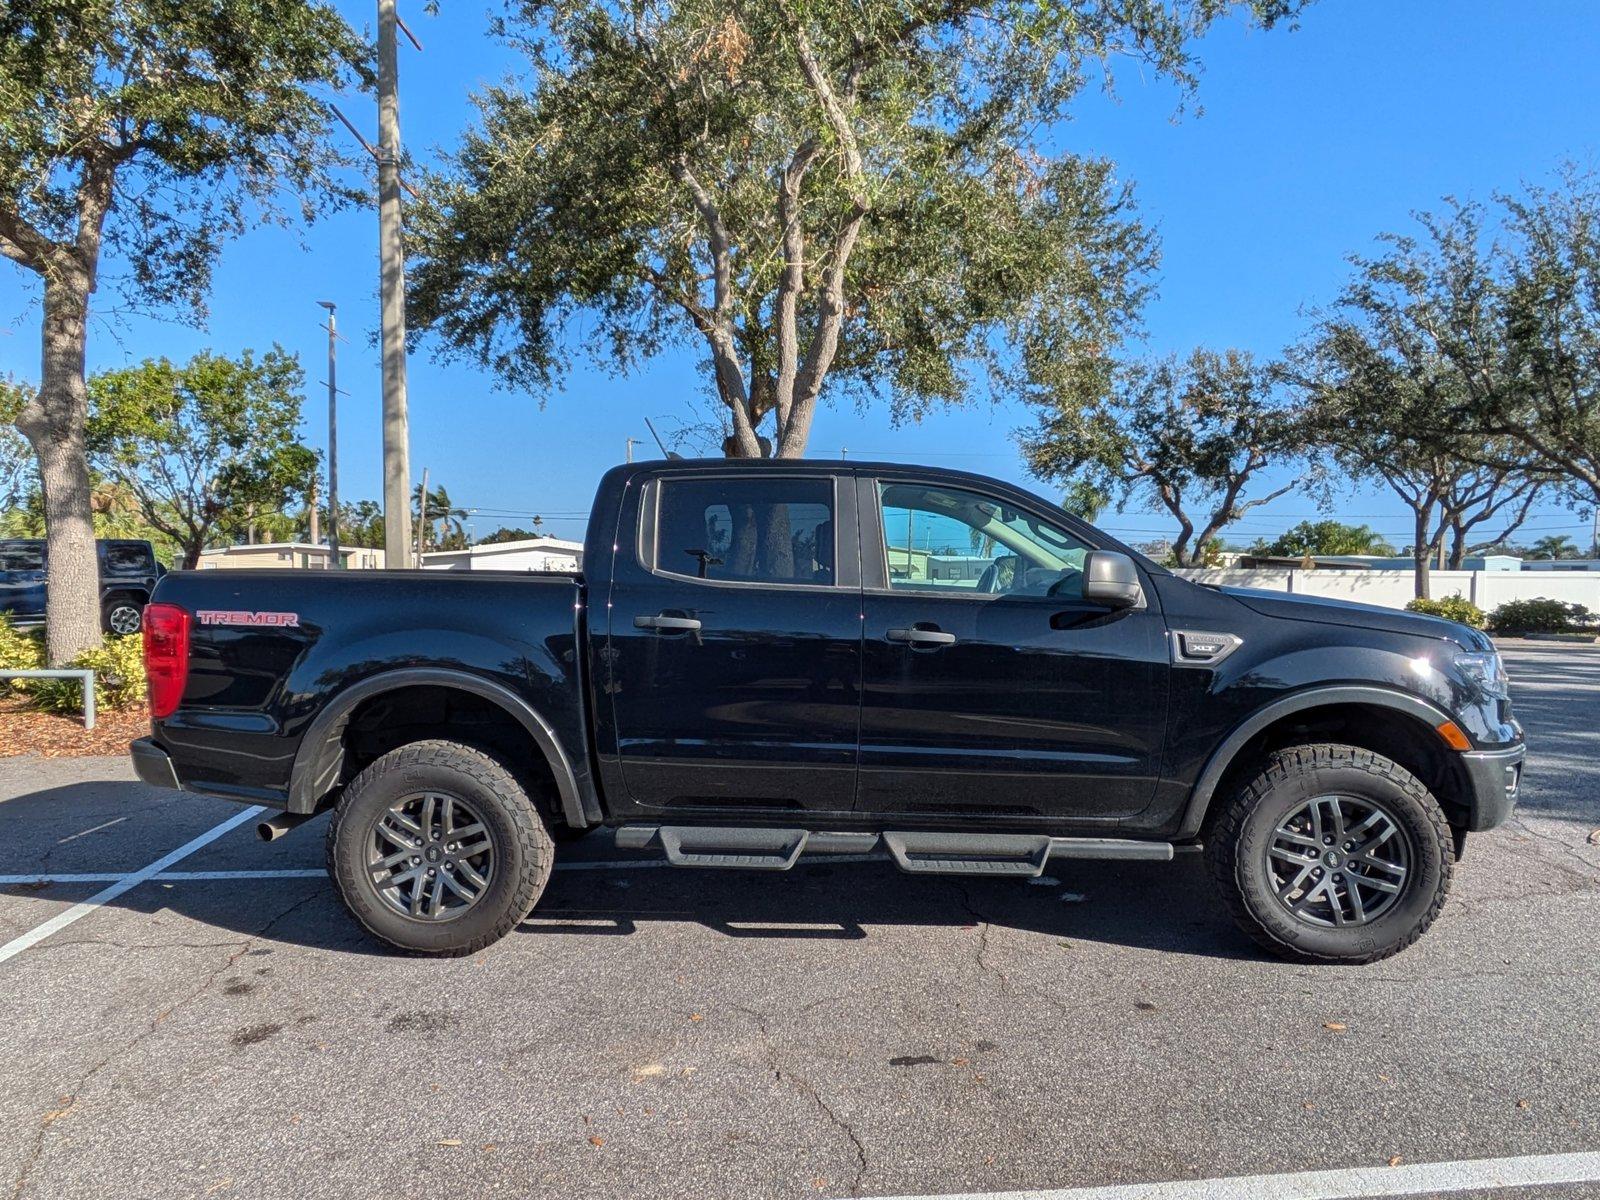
x: 997, y: 855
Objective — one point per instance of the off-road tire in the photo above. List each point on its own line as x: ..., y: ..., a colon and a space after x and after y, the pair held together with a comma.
x: 523, y: 849
x: 1236, y: 851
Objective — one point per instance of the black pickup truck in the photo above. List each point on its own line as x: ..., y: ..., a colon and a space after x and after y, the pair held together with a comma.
x: 765, y: 660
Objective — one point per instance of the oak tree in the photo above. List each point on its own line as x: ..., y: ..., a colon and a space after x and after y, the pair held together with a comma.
x: 1190, y: 436
x: 864, y: 195
x: 144, y: 133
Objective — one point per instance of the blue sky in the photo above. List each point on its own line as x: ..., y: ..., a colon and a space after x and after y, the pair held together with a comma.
x: 1310, y: 142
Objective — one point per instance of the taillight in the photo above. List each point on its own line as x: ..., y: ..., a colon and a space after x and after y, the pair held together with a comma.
x: 166, y: 656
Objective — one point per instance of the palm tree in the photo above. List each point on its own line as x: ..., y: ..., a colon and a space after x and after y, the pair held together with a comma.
x: 1555, y: 546
x: 440, y: 510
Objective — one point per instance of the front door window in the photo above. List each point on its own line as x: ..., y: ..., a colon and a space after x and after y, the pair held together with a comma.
x: 961, y: 543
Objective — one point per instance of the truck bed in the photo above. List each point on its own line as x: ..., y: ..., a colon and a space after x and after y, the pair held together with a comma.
x: 261, y: 671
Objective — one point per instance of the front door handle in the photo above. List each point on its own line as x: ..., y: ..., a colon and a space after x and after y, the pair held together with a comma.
x: 668, y: 624
x: 922, y: 637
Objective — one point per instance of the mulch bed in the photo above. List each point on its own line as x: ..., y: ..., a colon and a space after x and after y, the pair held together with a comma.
x: 25, y: 730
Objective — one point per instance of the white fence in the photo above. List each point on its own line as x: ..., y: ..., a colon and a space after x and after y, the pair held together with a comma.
x: 1392, y: 589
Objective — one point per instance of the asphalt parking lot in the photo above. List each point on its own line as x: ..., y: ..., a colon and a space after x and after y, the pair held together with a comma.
x: 840, y: 1030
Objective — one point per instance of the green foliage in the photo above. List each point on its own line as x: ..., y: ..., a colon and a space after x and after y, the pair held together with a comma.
x: 444, y: 528
x: 1507, y: 296
x: 1555, y: 546
x: 119, y: 679
x: 1083, y: 499
x: 20, y: 650
x: 509, y: 535
x: 1416, y: 378
x: 1455, y: 608
x: 866, y: 194
x: 198, y: 445
x: 17, y: 471
x: 1186, y: 436
x: 170, y: 125
x: 1539, y: 616
x: 1325, y: 537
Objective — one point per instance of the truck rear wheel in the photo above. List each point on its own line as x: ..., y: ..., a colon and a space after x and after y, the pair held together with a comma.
x: 435, y: 848
x: 1332, y: 853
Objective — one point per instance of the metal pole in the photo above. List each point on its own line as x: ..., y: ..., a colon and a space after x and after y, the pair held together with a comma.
x: 631, y: 441
x: 391, y: 257
x: 422, y: 516
x: 333, y: 440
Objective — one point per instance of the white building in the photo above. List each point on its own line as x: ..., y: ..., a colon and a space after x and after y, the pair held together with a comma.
x: 302, y: 555
x: 530, y: 554
x: 1561, y: 564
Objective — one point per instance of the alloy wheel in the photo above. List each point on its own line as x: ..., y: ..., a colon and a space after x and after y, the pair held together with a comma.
x: 124, y: 619
x: 1338, y: 861
x: 430, y: 856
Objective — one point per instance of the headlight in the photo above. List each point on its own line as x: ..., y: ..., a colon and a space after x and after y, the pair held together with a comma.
x: 1485, y: 669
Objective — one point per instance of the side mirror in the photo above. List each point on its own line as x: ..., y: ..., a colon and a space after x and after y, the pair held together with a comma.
x: 1111, y: 579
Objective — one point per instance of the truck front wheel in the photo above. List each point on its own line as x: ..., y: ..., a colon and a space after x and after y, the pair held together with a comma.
x: 1332, y: 853
x: 436, y: 849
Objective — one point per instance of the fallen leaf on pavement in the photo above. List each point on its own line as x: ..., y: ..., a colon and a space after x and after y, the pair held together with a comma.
x: 696, y: 1017
x: 1335, y: 1026
x: 489, y: 1146
x: 449, y: 1141
x: 1309, y: 1107
x: 1395, y: 1161
x: 1523, y: 1104
x: 597, y: 1141
x: 219, y: 1185
x: 1594, y: 838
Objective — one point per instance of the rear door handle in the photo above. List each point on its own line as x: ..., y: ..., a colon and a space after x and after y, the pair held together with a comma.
x: 668, y: 624
x: 922, y: 637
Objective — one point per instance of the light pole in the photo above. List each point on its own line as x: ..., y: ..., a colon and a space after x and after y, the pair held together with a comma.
x: 333, y: 438
x: 392, y: 288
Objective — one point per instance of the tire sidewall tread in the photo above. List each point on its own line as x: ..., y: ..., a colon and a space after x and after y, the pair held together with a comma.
x: 523, y: 844
x: 1235, y: 851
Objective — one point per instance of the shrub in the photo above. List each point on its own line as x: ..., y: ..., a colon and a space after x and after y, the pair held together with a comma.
x: 119, y: 680
x: 1539, y: 616
x: 1455, y: 608
x: 20, y: 650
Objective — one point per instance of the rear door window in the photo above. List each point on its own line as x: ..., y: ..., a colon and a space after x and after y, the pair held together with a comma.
x: 749, y: 530
x: 128, y: 558
x: 21, y: 556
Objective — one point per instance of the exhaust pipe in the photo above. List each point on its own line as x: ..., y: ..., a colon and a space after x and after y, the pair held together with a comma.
x: 274, y: 827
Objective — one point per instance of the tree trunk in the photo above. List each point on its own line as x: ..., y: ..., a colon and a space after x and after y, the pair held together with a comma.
x: 1458, y: 547
x: 1421, y: 553
x: 54, y: 422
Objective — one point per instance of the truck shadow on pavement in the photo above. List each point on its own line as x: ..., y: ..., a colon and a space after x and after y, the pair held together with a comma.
x: 1143, y: 908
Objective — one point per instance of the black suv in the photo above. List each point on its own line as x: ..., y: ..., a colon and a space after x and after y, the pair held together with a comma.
x: 128, y: 571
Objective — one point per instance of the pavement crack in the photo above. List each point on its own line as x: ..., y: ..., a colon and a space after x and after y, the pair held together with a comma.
x: 809, y: 1091
x: 70, y: 1099
x: 1585, y: 880
x: 985, y: 932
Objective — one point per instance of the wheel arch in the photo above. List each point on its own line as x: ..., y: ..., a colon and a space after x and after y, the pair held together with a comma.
x: 319, y: 762
x: 1417, y: 725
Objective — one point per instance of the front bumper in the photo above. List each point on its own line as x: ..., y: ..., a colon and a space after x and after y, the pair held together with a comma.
x: 152, y: 764
x: 1494, y: 778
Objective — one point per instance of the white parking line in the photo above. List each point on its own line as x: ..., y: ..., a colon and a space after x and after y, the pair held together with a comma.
x: 82, y: 909
x: 1434, y: 1179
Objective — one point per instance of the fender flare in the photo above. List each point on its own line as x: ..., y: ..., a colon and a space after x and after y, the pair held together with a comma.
x: 1222, y: 757
x: 321, y: 752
